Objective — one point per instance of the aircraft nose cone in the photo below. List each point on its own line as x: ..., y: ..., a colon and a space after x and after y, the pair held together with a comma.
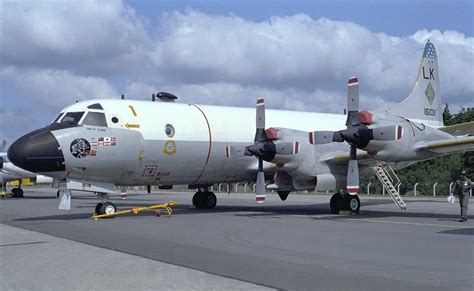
x: 37, y: 151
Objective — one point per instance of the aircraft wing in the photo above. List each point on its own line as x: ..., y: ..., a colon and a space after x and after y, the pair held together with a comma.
x: 342, y: 158
x: 466, y: 128
x: 448, y: 146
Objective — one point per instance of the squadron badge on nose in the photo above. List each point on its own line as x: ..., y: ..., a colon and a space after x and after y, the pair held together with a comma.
x: 80, y: 148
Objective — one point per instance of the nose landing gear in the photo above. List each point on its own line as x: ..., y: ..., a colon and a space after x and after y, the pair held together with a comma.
x: 105, y: 207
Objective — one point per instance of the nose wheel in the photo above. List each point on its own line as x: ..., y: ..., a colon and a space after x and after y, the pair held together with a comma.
x: 204, y: 199
x: 105, y: 208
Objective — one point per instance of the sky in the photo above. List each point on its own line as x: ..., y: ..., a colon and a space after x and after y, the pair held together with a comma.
x: 296, y: 54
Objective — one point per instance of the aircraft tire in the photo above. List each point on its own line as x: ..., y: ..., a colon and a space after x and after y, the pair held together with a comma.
x: 352, y: 203
x: 335, y: 203
x: 196, y: 198
x: 108, y: 208
x: 97, y: 208
x: 17, y: 192
x: 210, y: 200
x: 57, y: 195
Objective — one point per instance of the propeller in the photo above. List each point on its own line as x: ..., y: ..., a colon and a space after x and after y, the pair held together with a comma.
x: 357, y: 133
x: 264, y: 148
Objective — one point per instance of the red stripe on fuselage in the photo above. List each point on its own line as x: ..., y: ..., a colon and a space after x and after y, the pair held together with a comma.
x: 210, y: 144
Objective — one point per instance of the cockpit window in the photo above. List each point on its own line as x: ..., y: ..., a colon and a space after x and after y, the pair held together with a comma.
x: 72, y: 117
x: 58, y: 117
x: 4, y: 159
x: 95, y: 106
x: 95, y: 119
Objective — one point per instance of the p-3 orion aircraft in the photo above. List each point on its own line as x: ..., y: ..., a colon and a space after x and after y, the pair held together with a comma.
x: 99, y: 144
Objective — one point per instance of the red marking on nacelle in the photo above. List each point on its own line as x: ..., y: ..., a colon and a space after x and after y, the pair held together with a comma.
x: 296, y: 147
x: 399, y: 132
x: 365, y: 117
x: 272, y: 133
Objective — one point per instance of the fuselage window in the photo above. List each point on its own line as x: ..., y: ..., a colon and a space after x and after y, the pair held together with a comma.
x: 169, y: 130
x: 58, y: 117
x: 95, y: 119
x: 72, y: 117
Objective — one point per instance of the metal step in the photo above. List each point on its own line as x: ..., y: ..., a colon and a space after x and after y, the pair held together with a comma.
x: 387, y: 176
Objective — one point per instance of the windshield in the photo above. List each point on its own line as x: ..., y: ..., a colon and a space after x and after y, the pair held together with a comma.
x: 58, y: 117
x: 72, y: 117
x: 95, y: 119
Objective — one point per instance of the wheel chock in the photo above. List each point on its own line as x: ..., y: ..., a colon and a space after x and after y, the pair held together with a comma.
x: 158, y: 209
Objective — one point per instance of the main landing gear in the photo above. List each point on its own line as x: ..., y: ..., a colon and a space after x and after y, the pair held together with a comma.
x: 345, y: 202
x: 203, y: 198
x: 17, y: 192
x: 105, y: 207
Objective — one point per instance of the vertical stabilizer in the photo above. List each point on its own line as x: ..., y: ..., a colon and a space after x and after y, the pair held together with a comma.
x: 424, y: 102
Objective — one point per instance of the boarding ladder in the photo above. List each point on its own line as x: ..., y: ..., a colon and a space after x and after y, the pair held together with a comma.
x: 390, y: 182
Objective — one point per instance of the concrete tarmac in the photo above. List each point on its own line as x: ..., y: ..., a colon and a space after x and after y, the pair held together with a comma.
x: 293, y: 245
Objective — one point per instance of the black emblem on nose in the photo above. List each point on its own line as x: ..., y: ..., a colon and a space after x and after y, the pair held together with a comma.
x: 80, y: 148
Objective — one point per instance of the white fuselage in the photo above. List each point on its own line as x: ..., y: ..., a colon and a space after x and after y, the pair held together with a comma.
x: 144, y: 153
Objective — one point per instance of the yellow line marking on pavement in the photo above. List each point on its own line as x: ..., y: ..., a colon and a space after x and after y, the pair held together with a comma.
x: 408, y: 223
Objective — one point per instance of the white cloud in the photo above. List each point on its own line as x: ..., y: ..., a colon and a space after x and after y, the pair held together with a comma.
x: 55, y: 88
x: 304, y: 54
x: 54, y: 53
x: 93, y: 37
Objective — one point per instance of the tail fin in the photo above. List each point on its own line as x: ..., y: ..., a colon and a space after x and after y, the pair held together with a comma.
x: 424, y: 102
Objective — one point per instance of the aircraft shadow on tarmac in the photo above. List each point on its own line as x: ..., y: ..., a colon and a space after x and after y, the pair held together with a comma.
x: 461, y: 231
x: 311, y: 211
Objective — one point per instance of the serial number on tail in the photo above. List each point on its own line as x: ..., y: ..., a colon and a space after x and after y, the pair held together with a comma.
x: 430, y: 112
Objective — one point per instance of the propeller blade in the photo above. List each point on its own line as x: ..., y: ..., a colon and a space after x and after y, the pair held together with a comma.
x: 393, y: 132
x: 233, y: 152
x: 287, y: 148
x: 260, y: 134
x: 352, y: 102
x: 260, y: 186
x: 353, y: 173
x: 321, y: 137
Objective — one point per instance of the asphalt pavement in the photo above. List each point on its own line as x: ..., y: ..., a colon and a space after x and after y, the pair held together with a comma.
x: 294, y: 245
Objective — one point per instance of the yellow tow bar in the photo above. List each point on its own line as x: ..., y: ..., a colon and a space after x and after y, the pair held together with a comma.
x: 5, y: 194
x: 158, y: 208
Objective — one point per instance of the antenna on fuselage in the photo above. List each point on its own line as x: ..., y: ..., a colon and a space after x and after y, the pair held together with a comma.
x: 166, y: 97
